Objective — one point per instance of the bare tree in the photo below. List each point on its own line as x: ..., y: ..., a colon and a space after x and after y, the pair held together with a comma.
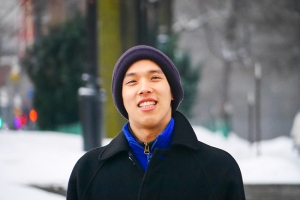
x: 227, y: 39
x: 242, y: 33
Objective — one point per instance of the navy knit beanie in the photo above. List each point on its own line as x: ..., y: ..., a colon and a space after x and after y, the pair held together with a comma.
x: 148, y: 53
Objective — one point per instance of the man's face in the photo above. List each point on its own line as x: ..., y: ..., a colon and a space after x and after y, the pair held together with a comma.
x: 147, y: 95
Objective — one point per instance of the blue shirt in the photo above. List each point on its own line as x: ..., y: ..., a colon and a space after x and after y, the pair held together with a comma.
x: 162, y: 141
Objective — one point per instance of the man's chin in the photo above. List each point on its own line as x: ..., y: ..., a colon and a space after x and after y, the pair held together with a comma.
x: 148, y: 121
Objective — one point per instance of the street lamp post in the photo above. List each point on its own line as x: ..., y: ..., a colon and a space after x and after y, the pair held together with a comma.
x: 258, y: 75
x: 250, y: 103
x: 90, y: 96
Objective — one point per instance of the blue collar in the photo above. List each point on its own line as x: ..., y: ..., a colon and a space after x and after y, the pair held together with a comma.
x: 162, y: 141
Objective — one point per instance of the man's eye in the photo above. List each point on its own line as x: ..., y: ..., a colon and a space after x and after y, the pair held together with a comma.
x: 130, y: 82
x: 155, y: 77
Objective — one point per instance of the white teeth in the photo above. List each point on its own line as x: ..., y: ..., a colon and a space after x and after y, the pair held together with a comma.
x: 146, y: 104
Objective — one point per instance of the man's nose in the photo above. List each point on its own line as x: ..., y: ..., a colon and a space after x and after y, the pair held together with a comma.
x: 145, y: 87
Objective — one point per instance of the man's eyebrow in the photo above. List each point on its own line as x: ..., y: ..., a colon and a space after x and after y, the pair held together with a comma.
x: 156, y: 71
x: 152, y: 71
x: 130, y: 74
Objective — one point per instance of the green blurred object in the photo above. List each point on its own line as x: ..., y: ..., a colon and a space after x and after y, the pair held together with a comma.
x: 218, y: 125
x: 55, y: 64
x: 70, y: 128
x: 223, y: 127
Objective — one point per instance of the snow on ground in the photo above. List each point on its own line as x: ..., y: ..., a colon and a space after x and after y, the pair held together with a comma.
x: 47, y: 158
x: 269, y: 162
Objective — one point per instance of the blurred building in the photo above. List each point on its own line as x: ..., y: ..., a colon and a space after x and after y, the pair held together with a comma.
x: 22, y: 23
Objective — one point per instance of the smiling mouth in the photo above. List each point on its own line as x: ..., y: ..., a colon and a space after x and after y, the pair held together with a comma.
x: 147, y: 104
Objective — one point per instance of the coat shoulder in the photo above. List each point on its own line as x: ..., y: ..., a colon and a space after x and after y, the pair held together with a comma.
x: 216, y: 161
x: 90, y: 159
x: 82, y: 173
x: 214, y: 154
x: 222, y: 171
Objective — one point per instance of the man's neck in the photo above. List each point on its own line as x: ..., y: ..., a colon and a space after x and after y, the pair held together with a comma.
x: 146, y: 134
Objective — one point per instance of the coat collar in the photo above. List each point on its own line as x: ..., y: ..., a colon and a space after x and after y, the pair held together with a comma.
x: 183, y: 135
x: 117, y: 145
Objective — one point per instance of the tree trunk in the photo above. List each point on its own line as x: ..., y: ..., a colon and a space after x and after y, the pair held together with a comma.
x: 228, y: 50
x: 110, y: 50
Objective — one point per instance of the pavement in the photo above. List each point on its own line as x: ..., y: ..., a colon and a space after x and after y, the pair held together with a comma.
x: 252, y: 192
x: 272, y: 192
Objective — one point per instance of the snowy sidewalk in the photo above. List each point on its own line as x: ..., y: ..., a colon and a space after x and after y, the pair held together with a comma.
x: 35, y: 158
x: 47, y: 158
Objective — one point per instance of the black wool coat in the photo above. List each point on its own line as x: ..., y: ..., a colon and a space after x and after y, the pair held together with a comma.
x: 189, y: 169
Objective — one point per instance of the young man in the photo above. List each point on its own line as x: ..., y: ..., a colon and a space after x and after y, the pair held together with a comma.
x: 157, y: 154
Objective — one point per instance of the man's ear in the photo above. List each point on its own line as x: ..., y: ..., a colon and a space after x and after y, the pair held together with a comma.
x: 172, y: 98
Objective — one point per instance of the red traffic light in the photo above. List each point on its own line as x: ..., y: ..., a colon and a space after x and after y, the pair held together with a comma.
x: 33, y: 115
